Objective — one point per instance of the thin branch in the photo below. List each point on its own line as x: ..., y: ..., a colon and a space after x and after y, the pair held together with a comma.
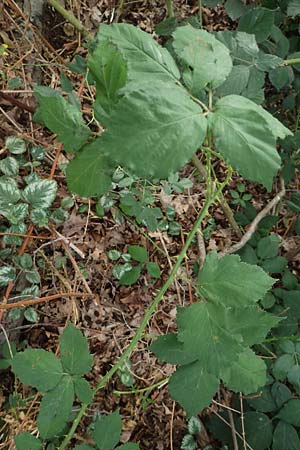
x: 254, y: 224
x: 48, y: 298
x: 13, y: 101
x: 71, y: 18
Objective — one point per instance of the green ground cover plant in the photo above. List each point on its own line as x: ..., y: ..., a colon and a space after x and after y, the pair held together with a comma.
x: 157, y: 108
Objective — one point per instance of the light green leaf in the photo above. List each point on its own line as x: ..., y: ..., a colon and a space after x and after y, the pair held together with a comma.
x: 107, y: 431
x: 39, y: 217
x: 15, y: 145
x: 193, y: 387
x: 258, y: 21
x: 205, y: 59
x: 167, y: 348
x: 258, y: 430
x: 290, y: 412
x: 40, y: 194
x: 293, y: 9
x: 38, y: 368
x: 55, y: 408
x: 285, y: 437
x: 243, y: 135
x: 236, y: 81
x: 26, y: 441
x: 74, y: 352
x: 9, y: 166
x: 145, y: 58
x: 151, y: 122
x: 61, y: 118
x: 90, y: 173
x: 9, y: 194
x: 7, y: 275
x: 109, y: 71
x: 16, y: 213
x: 138, y: 253
x: 230, y: 282
x: 212, y: 344
x: 247, y: 374
x: 83, y: 390
x: 281, y: 77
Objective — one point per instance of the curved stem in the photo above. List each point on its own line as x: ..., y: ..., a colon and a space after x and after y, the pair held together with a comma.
x: 170, y: 8
x: 71, y: 18
x: 290, y: 62
x: 148, y: 314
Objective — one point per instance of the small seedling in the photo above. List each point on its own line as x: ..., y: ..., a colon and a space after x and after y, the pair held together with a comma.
x: 239, y: 196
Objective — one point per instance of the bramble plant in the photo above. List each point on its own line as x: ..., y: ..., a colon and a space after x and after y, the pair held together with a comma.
x: 158, y: 107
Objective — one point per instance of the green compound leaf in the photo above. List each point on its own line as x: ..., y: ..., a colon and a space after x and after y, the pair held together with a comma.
x: 9, y: 166
x: 107, y: 431
x: 109, y: 71
x: 214, y: 346
x: 138, y: 253
x: 38, y: 368
x: 290, y: 412
x: 167, y: 348
x: 230, y: 282
x: 146, y: 60
x: 74, y: 351
x: 9, y: 194
x: 192, y: 387
x: 258, y: 21
x: 243, y: 135
x: 25, y: 441
x: 285, y: 437
x: 7, y: 275
x: 90, y: 172
x: 130, y: 276
x: 40, y: 194
x: 83, y: 390
x: 150, y: 123
x: 204, y: 58
x: 55, y: 408
x: 247, y: 374
x: 61, y: 117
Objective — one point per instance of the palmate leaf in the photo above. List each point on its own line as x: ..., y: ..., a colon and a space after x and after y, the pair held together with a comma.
x: 230, y: 282
x: 204, y: 58
x: 155, y: 130
x: 145, y: 58
x: 90, y: 172
x: 61, y: 117
x: 247, y: 374
x: 55, y: 408
x: 245, y: 135
x: 109, y: 71
x: 193, y: 387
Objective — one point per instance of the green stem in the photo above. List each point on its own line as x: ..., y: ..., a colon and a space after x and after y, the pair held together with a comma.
x: 290, y: 62
x: 71, y: 18
x: 140, y: 391
x: 200, y: 13
x: 170, y: 8
x: 148, y: 314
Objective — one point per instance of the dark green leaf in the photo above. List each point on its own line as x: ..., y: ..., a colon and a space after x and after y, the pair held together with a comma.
x: 83, y: 390
x: 258, y: 21
x: 84, y: 447
x: 129, y: 446
x: 285, y: 437
x: 235, y: 8
x: 293, y: 8
x: 61, y: 118
x: 258, y: 430
x: 130, y: 276
x: 166, y: 27
x: 230, y: 282
x: 193, y: 388
x: 264, y: 401
x: 149, y: 122
x: 66, y: 84
x: 236, y: 81
x: 55, y: 408
x: 26, y: 441
x: 290, y: 412
x: 90, y: 172
x: 38, y: 368
x: 7, y: 275
x: 107, y: 431
x: 281, y: 77
x: 268, y: 247
x: 169, y: 349
x: 282, y: 366
x: 280, y: 393
x: 153, y: 269
x: 74, y: 351
x: 275, y: 265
